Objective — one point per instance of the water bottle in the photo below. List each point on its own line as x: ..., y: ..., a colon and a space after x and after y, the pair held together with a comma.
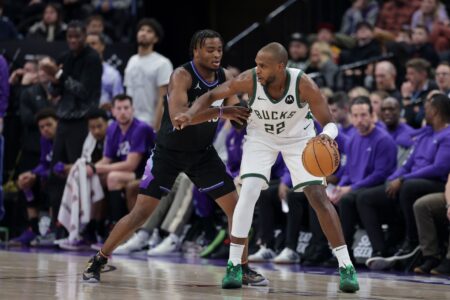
x: 28, y: 195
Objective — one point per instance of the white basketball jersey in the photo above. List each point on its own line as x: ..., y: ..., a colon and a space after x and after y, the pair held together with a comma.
x: 287, y: 118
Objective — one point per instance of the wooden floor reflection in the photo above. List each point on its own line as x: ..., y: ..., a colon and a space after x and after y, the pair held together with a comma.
x: 57, y: 276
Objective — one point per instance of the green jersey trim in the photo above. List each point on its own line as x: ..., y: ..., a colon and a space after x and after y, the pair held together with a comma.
x: 255, y: 82
x: 297, y: 89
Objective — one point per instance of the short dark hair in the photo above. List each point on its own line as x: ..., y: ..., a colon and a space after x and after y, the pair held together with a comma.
x: 122, y: 97
x: 362, y: 100
x: 58, y: 8
x: 419, y: 64
x: 96, y: 113
x: 95, y: 18
x: 341, y: 100
x: 364, y: 24
x: 77, y: 24
x: 199, y: 37
x: 46, y: 113
x: 442, y: 104
x: 101, y: 37
x: 153, y: 24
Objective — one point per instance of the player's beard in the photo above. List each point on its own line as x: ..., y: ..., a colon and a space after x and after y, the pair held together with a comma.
x: 269, y: 81
x: 125, y: 122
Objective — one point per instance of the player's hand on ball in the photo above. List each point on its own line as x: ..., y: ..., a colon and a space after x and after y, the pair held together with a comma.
x: 238, y: 114
x: 326, y: 139
x: 182, y: 120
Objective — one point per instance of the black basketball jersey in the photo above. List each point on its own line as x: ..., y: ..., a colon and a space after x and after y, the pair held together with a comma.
x: 194, y: 137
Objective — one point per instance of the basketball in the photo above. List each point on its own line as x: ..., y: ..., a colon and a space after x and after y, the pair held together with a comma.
x: 320, y: 158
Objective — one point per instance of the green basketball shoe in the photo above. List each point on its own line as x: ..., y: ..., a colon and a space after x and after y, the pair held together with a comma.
x: 349, y: 281
x: 233, y: 277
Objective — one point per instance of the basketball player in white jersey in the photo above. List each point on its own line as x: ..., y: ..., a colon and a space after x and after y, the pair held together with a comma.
x: 281, y: 100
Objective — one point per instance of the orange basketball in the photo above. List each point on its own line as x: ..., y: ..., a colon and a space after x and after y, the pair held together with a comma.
x: 320, y: 159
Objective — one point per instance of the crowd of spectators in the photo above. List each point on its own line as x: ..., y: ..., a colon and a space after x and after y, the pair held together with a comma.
x: 385, y: 75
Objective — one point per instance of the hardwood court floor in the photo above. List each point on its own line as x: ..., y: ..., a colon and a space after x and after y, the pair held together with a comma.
x: 36, y: 276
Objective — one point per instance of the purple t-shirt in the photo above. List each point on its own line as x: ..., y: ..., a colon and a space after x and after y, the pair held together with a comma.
x: 402, y: 135
x: 43, y: 168
x: 138, y: 138
x: 429, y: 158
x: 370, y: 159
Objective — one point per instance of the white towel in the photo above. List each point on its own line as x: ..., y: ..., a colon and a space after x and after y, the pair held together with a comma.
x: 88, y: 147
x: 80, y: 193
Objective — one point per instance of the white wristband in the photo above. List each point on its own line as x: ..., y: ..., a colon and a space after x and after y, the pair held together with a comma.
x: 331, y: 130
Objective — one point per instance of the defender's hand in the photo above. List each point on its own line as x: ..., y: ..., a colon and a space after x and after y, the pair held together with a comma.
x: 238, y: 114
x: 182, y: 120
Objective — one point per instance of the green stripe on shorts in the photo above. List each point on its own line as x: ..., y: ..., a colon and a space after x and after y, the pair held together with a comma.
x: 255, y: 175
x: 307, y: 183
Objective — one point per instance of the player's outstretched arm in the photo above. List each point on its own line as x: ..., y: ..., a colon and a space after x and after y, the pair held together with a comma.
x: 310, y: 93
x: 241, y: 84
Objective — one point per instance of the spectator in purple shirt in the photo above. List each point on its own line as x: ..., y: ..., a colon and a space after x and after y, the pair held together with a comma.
x: 128, y: 144
x: 424, y: 172
x: 32, y: 188
x: 371, y: 157
x: 401, y: 133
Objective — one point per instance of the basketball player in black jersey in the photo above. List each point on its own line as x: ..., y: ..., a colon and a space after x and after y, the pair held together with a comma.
x: 189, y: 151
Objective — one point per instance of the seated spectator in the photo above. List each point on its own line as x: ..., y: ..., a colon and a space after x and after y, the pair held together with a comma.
x: 339, y: 105
x: 337, y: 41
x: 128, y: 143
x: 432, y: 213
x: 400, y: 132
x: 111, y: 78
x: 442, y: 77
x: 96, y: 25
x: 440, y: 36
x: 361, y: 10
x: 371, y: 157
x: 20, y: 80
x: 298, y: 51
x: 92, y: 152
x: 385, y: 79
x: 424, y: 172
x: 430, y: 12
x: 415, y: 89
x: 366, y: 47
x: 376, y: 98
x: 32, y: 183
x: 33, y: 98
x: 394, y: 14
x: 320, y: 61
x: 421, y: 47
x: 51, y: 27
x: 118, y: 13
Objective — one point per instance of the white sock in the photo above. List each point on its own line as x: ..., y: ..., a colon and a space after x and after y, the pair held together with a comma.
x: 342, y: 256
x: 236, y: 251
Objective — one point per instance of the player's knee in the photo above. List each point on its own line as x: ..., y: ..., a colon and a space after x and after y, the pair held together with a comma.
x: 113, y: 181
x: 317, y: 197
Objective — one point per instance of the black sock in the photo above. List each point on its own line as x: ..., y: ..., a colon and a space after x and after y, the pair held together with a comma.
x: 34, y: 225
x: 117, y: 206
